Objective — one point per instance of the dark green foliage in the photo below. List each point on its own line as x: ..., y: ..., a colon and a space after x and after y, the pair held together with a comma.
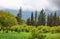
x: 58, y: 20
x: 50, y: 20
x: 19, y: 16
x: 32, y: 19
x: 35, y: 18
x: 41, y: 18
x: 53, y: 20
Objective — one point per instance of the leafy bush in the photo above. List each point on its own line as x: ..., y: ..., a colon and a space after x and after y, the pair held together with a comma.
x: 32, y: 29
x: 52, y: 30
x: 43, y: 29
x: 34, y: 32
x: 7, y: 19
x: 16, y: 28
x: 57, y: 29
x: 40, y: 36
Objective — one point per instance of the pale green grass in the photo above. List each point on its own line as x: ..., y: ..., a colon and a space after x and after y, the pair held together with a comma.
x: 53, y: 36
x: 25, y: 35
x: 15, y: 35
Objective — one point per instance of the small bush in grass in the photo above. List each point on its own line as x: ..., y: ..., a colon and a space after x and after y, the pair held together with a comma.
x: 26, y: 30
x: 58, y: 29
x: 4, y: 28
x: 53, y: 30
x: 6, y: 31
x: 30, y: 36
x: 43, y: 29
x: 40, y: 36
x: 15, y: 28
x: 34, y: 33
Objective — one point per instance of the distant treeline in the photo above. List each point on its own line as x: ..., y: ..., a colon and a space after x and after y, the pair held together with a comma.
x: 8, y: 19
x: 51, y: 20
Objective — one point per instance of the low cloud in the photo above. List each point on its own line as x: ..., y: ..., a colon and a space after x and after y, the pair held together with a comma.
x: 31, y: 4
x: 55, y: 3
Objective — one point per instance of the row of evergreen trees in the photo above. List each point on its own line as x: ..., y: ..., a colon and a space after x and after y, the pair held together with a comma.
x: 37, y: 20
x: 41, y: 19
x: 53, y: 20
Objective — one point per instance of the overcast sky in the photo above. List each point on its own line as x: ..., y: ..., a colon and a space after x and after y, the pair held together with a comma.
x: 30, y: 4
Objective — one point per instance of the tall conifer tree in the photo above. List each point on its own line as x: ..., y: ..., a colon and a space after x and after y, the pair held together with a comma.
x: 35, y: 18
x: 32, y: 19
x: 41, y: 18
x: 19, y: 16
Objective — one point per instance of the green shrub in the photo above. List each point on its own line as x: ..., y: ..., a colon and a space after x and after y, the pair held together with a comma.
x: 43, y: 29
x: 7, y: 19
x: 53, y: 30
x: 58, y: 29
x: 40, y: 36
x: 15, y: 28
x: 33, y: 29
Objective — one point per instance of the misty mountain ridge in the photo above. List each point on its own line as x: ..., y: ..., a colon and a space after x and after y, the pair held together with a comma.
x: 27, y: 13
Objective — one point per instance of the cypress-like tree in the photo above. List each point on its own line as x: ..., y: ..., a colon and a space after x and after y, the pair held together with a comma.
x: 35, y: 18
x: 51, y: 20
x: 59, y: 20
x: 48, y: 20
x: 19, y: 16
x: 32, y: 19
x: 55, y: 19
x: 41, y: 18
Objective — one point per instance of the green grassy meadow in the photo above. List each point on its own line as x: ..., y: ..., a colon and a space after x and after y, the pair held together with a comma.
x: 14, y: 35
x: 26, y: 35
x: 52, y: 36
